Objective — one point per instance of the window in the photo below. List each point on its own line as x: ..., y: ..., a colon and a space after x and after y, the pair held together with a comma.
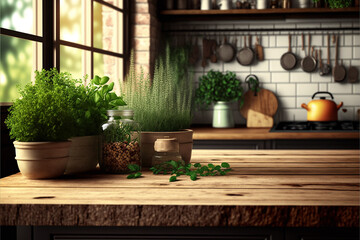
x: 87, y: 38
x: 21, y: 45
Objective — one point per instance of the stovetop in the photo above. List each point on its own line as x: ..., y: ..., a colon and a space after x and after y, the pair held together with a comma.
x: 307, y: 126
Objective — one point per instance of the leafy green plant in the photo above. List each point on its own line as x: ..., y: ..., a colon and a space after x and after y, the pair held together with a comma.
x: 135, y: 171
x: 57, y: 107
x: 177, y: 169
x: 91, y: 105
x: 46, y: 110
x: 216, y: 86
x: 163, y: 103
x: 339, y: 3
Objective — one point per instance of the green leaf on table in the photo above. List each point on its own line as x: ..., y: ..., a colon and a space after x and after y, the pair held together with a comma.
x: 134, y: 167
x: 197, y: 165
x: 130, y: 176
x: 174, y: 164
x: 193, y: 176
x: 172, y: 179
x: 225, y: 165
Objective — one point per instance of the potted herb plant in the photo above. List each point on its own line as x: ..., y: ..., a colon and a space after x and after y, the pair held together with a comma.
x: 93, y: 100
x: 162, y: 105
x: 41, y: 121
x: 338, y: 3
x: 221, y: 89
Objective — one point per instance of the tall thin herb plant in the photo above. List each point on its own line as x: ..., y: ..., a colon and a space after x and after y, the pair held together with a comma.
x: 164, y: 102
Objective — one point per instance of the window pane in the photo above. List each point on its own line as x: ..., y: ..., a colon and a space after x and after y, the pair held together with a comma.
x: 19, y: 60
x: 105, y: 65
x: 19, y: 15
x: 116, y: 3
x: 75, y: 61
x: 108, y: 28
x: 72, y: 22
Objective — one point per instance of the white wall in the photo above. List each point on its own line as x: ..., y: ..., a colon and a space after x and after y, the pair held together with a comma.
x: 291, y: 87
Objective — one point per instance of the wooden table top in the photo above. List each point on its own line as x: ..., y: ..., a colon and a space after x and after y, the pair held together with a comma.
x: 266, y: 188
x: 242, y: 133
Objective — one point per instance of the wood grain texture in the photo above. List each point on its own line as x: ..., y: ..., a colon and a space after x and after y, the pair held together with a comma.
x: 260, y: 11
x: 264, y: 102
x: 208, y: 133
x: 311, y: 188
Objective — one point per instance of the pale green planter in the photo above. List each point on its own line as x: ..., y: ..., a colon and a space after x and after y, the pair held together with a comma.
x: 223, y: 116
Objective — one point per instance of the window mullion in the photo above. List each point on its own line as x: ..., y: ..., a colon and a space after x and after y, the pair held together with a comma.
x: 48, y: 33
x: 86, y: 65
x: 92, y: 40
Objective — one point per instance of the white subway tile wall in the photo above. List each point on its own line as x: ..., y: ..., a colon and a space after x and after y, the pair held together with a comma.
x: 291, y: 87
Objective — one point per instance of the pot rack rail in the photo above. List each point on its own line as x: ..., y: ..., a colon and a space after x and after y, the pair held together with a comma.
x: 264, y: 31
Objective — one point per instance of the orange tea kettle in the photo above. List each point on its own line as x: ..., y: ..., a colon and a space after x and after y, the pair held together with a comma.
x: 322, y: 109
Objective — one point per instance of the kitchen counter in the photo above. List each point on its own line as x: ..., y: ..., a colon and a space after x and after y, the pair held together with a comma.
x: 273, y: 188
x: 242, y: 133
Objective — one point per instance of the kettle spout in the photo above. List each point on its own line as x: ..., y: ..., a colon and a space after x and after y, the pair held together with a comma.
x: 339, y: 106
x: 305, y: 106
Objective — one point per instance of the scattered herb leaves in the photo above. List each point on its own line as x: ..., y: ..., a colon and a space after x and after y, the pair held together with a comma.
x: 179, y: 169
x: 135, y: 171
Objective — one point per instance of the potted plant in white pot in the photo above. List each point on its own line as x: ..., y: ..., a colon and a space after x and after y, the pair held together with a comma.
x: 93, y: 100
x: 162, y: 105
x: 41, y: 121
x: 221, y: 89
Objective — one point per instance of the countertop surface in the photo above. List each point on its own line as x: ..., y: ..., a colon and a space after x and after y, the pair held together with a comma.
x: 293, y: 188
x: 243, y: 133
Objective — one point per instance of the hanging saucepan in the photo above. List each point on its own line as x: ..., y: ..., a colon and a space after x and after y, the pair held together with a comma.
x: 288, y: 60
x: 226, y: 52
x: 339, y: 71
x: 308, y: 64
x: 246, y: 55
x: 326, y: 68
x: 322, y: 109
x: 353, y: 74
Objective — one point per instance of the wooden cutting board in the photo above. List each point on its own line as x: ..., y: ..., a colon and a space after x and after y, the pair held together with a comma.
x: 264, y: 102
x: 258, y: 120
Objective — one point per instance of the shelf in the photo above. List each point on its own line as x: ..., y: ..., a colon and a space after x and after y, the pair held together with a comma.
x: 277, y: 13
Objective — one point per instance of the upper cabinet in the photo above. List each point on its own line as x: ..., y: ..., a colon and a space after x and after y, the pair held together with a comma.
x: 257, y: 14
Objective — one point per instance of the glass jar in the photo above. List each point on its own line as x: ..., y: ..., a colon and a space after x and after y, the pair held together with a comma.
x: 166, y: 149
x: 120, y: 142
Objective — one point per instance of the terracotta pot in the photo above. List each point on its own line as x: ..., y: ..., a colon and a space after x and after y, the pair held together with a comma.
x: 84, y: 154
x: 184, y: 137
x: 38, y: 160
